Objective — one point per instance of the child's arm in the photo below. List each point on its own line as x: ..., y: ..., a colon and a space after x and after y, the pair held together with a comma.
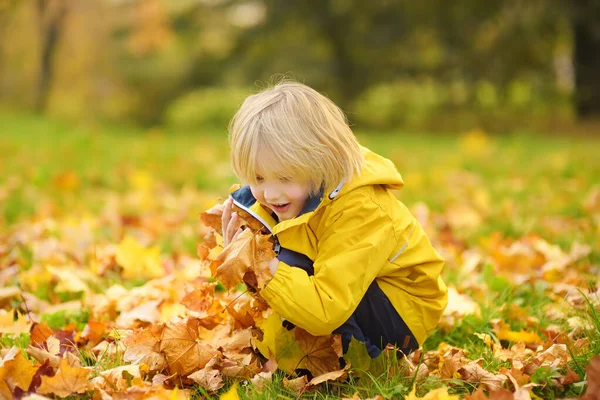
x: 351, y: 251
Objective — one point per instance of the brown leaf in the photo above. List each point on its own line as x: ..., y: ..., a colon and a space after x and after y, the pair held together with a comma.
x: 249, y: 252
x: 201, y: 297
x: 209, y: 379
x: 338, y: 375
x: 143, y: 346
x: 593, y: 380
x: 68, y: 380
x: 501, y: 394
x: 212, y: 217
x: 473, y: 372
x: 295, y: 385
x: 320, y: 355
x: 261, y: 380
x: 92, y: 333
x: 182, y: 348
x: 479, y: 394
x: 123, y: 377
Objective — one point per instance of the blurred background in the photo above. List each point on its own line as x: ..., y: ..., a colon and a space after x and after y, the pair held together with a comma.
x: 187, y: 64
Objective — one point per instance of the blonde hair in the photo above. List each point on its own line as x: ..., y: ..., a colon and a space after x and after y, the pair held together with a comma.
x: 292, y: 131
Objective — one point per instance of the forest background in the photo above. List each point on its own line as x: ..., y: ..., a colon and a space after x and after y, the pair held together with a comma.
x: 440, y: 66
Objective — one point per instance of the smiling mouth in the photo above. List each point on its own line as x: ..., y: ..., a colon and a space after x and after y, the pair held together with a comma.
x: 280, y: 207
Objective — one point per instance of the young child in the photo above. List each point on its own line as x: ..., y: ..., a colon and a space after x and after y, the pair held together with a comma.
x: 351, y: 259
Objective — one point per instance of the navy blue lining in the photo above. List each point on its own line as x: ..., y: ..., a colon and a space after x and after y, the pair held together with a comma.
x: 244, y: 196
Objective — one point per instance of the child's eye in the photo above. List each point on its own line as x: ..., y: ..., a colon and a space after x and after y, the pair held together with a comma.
x: 259, y: 178
x: 285, y: 179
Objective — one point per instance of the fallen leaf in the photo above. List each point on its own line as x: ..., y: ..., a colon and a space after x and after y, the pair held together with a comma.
x: 473, y: 372
x: 231, y: 394
x: 68, y: 380
x: 320, y: 352
x: 248, y: 252
x: 209, y: 379
x: 137, y: 261
x: 330, y: 376
x: 295, y: 385
x: 182, y: 348
x: 593, y: 380
x: 212, y: 217
x: 437, y: 394
x: 9, y: 325
x: 16, y: 370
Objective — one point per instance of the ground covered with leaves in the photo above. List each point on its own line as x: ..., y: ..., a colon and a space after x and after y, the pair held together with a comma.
x: 111, y: 286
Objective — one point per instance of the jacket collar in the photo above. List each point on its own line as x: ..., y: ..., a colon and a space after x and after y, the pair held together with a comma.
x: 244, y: 199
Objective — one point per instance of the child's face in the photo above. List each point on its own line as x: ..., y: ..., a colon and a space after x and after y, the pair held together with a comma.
x: 284, y: 197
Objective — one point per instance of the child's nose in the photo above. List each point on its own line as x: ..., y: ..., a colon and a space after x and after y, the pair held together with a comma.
x: 272, y: 194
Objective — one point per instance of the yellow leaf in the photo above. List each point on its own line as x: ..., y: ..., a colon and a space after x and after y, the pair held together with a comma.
x: 231, y: 394
x: 9, y: 325
x: 281, y: 344
x: 522, y: 336
x: 68, y: 380
x: 437, y: 394
x: 17, y: 370
x: 138, y: 261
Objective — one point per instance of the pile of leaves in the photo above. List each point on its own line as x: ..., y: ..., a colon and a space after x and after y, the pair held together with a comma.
x: 159, y: 342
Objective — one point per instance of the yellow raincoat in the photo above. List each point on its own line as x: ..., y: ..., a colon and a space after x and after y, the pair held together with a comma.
x: 355, y: 234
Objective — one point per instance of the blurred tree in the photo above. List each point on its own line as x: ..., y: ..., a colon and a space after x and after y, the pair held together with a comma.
x: 51, y: 18
x: 586, y: 35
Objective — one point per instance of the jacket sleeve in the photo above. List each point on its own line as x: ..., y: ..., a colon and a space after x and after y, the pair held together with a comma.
x: 354, y: 244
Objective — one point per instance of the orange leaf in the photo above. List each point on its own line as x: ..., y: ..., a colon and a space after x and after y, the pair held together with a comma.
x: 212, y: 217
x: 68, y: 380
x: 183, y: 351
x: 593, y: 379
x: 201, y: 297
x: 249, y: 252
x: 321, y: 352
x: 144, y: 347
x: 39, y: 334
x: 16, y: 370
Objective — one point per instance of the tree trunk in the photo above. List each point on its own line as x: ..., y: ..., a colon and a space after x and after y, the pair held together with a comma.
x: 586, y: 30
x: 51, y: 21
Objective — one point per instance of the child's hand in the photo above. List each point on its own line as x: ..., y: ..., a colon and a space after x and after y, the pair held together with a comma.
x: 273, y: 265
x: 229, y: 222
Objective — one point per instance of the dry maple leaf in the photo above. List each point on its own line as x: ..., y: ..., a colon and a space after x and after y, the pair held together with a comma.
x: 39, y: 334
x: 182, y: 348
x: 68, y: 380
x: 295, y: 385
x: 201, y: 297
x: 473, y: 372
x: 321, y: 353
x: 593, y: 380
x: 212, y: 217
x: 123, y: 377
x: 16, y: 371
x: 249, y: 252
x: 209, y: 379
x: 143, y: 346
